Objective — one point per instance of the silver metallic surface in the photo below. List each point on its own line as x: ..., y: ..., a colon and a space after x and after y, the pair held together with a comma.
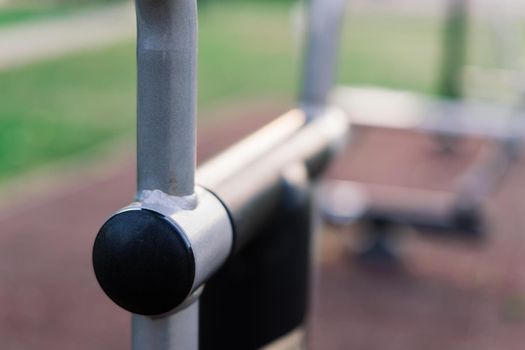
x: 166, y: 132
x: 342, y: 202
x: 250, y: 149
x: 206, y: 226
x: 254, y: 192
x: 208, y: 231
x: 377, y: 107
x: 166, y: 55
x: 486, y: 175
x: 346, y: 202
x: 294, y: 340
x: 166, y: 58
x: 322, y: 44
x: 178, y: 331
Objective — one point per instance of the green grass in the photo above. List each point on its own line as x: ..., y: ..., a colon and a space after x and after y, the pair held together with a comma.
x: 53, y: 110
x: 395, y: 52
x: 245, y: 49
x: 22, y: 13
x: 69, y: 106
x: 27, y: 10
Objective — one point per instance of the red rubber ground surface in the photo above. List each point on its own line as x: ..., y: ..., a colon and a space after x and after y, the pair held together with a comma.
x: 445, y: 295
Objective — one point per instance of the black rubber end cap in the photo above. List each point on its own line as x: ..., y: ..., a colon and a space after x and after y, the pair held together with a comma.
x: 143, y: 263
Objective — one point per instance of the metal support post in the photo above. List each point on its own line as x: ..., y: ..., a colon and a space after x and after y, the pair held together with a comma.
x: 166, y: 108
x: 454, y: 49
x: 166, y: 58
x: 153, y: 257
x: 321, y: 50
x: 173, y: 332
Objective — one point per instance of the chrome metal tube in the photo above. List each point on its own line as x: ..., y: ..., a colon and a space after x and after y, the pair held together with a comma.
x: 322, y: 43
x: 166, y: 133
x: 178, y: 331
x: 454, y: 49
x: 166, y: 61
x: 253, y: 193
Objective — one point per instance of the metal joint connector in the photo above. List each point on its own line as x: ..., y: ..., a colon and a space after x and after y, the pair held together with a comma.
x: 153, y: 254
x: 203, y: 220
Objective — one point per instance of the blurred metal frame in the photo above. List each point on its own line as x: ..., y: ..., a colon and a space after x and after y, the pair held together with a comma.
x: 448, y: 119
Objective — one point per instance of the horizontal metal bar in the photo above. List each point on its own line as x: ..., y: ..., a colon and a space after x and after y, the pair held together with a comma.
x: 237, y: 157
x: 344, y: 202
x: 485, y: 176
x: 377, y: 107
x: 254, y: 190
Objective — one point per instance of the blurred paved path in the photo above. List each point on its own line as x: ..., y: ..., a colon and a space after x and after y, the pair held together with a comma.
x: 33, y: 41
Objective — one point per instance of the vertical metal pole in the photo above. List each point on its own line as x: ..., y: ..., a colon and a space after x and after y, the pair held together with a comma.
x: 166, y: 59
x: 323, y: 37
x: 506, y: 35
x: 322, y: 44
x: 454, y: 49
x: 174, y: 332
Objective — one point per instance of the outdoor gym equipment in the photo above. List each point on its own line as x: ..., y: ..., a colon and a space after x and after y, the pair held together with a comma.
x: 219, y: 258
x: 458, y: 214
